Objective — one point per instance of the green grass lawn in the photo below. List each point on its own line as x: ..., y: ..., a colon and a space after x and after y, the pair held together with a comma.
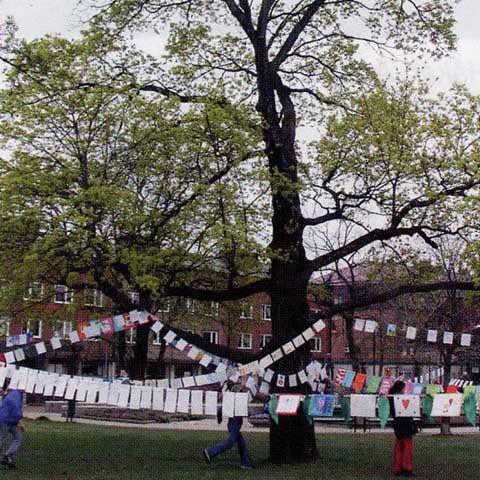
x: 74, y: 451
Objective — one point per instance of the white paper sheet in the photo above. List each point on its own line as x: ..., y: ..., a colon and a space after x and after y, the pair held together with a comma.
x: 228, y: 404
x: 19, y: 354
x: 40, y: 347
x: 277, y: 354
x: 113, y: 394
x: 188, y: 382
x: 9, y: 357
x: 135, y: 397
x: 123, y: 395
x: 157, y: 399
x: 156, y: 327
x: 92, y: 391
x: 31, y: 381
x: 308, y: 333
x: 363, y: 406
x: 71, y: 388
x: 197, y: 402
x: 288, y: 404
x: 407, y: 405
x: 146, y: 400
x: 319, y: 325
x: 241, y: 404
x: 265, y: 362
x: 298, y: 341
x: 61, y: 386
x: 211, y: 403
x: 55, y: 343
x: 171, y: 401
x: 268, y: 375
x: 288, y: 348
x: 22, y: 381
x: 103, y: 392
x: 183, y: 402
x: 447, y: 405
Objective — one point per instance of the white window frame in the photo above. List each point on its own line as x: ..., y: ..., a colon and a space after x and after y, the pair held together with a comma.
x: 264, y: 340
x: 156, y: 339
x: 316, y: 344
x: 134, y: 297
x: 164, y: 307
x: 68, y: 295
x: 266, y: 312
x: 243, y: 344
x: 190, y: 305
x: 97, y: 298
x: 130, y: 336
x: 40, y: 327
x: 213, y: 335
x: 249, y: 315
x: 214, y: 309
x: 66, y: 328
x: 29, y: 293
x: 5, y: 321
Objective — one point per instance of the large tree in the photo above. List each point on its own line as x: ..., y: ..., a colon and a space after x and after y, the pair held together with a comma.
x: 391, y: 163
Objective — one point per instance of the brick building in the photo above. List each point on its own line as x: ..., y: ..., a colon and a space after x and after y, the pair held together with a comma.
x: 244, y: 326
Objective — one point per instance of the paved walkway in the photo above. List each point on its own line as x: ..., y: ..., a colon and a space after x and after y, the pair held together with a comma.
x: 33, y: 412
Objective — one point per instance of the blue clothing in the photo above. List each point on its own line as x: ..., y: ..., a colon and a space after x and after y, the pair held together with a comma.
x: 234, y: 436
x: 11, y: 408
x: 17, y: 438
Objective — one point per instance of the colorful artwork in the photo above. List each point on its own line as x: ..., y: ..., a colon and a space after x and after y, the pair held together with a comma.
x: 407, y: 405
x: 287, y: 404
x: 447, y: 405
x: 322, y: 405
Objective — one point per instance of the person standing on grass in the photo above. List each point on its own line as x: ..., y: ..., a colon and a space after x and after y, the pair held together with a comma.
x: 71, y: 407
x: 11, y: 412
x: 234, y: 426
x: 404, y: 428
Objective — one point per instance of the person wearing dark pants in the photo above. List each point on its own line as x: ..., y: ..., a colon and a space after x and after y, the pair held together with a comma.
x: 234, y: 436
x: 404, y: 428
x: 11, y: 412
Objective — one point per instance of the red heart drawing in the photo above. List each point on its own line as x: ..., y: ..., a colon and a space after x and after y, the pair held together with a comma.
x: 450, y: 401
x: 405, y: 403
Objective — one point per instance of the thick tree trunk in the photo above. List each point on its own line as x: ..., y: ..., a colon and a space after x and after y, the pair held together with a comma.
x: 140, y: 358
x: 293, y: 439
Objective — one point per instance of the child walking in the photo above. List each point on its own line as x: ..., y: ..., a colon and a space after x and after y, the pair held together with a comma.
x: 404, y: 428
x: 234, y: 426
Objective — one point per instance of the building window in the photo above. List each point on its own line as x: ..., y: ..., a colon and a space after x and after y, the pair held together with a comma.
x: 211, y: 336
x: 131, y: 336
x: 134, y: 297
x: 247, y: 310
x: 92, y: 297
x: 4, y: 327
x: 264, y: 340
x: 34, y: 291
x: 164, y: 307
x: 245, y: 341
x: 267, y: 312
x: 34, y: 327
x: 190, y: 305
x: 316, y: 344
x: 213, y: 309
x: 157, y: 339
x: 63, y: 294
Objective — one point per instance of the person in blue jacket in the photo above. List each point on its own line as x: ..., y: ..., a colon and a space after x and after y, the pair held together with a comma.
x: 11, y: 412
x: 234, y: 437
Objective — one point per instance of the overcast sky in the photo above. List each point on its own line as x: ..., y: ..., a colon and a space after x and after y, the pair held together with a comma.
x: 37, y: 17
